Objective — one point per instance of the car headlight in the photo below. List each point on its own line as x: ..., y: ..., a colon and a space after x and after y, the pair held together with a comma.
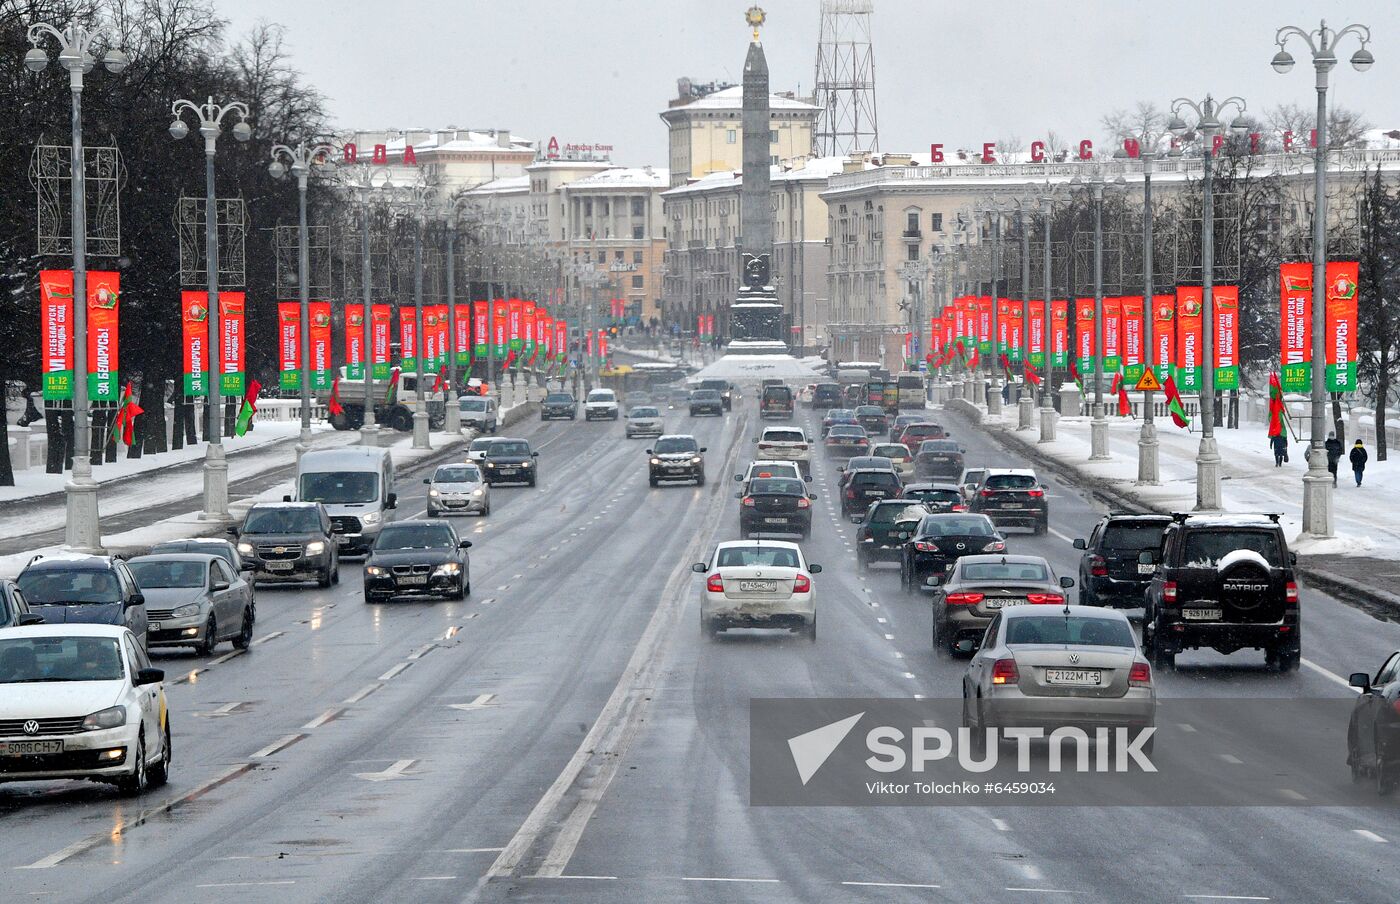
x: 527, y: 464
x: 433, y: 493
x: 656, y: 461
x: 490, y: 464
x: 185, y: 611
x: 448, y: 568
x: 696, y: 460
x: 245, y: 548
x: 315, y: 548
x: 371, y: 518
x: 376, y: 570
x: 111, y: 717
x: 476, y: 492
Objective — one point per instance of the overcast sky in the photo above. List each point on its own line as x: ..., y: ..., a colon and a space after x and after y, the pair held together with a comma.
x: 957, y: 73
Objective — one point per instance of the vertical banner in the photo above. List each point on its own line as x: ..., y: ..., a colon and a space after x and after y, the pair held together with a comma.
x: 527, y: 328
x: 1295, y: 326
x: 289, y: 344
x: 1035, y: 333
x: 960, y: 329
x: 103, y: 313
x: 602, y: 345
x: 1059, y: 332
x: 430, y: 338
x: 380, y: 317
x: 408, y: 336
x: 194, y: 330
x: 1227, y: 336
x: 1134, y: 355
x: 320, y: 314
x: 232, y: 344
x: 561, y: 339
x: 444, y: 339
x: 1112, y: 335
x: 542, y: 322
x: 984, y: 325
x: 1190, y: 336
x: 56, y: 336
x: 462, y: 334
x: 1003, y: 346
x: 1163, y: 352
x: 499, y: 328
x: 481, y: 328
x: 516, y: 310
x: 1016, y: 332
x: 1342, y: 324
x: 1084, y: 334
x: 354, y: 342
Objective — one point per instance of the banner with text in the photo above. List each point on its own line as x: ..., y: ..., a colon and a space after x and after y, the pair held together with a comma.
x: 1295, y: 282
x: 289, y: 344
x: 320, y: 338
x: 103, y: 315
x: 56, y: 332
x: 1227, y: 336
x: 354, y: 342
x: 1190, y: 338
x: 1342, y: 277
x: 232, y: 343
x: 381, y: 318
x: 194, y: 329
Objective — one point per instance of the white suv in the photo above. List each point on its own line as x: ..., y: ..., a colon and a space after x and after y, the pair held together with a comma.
x: 601, y: 403
x: 786, y: 444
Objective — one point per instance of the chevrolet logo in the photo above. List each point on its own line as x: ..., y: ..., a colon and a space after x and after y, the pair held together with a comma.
x: 31, y: 727
x: 279, y: 550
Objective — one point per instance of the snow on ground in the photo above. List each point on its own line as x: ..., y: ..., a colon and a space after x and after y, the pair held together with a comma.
x: 757, y: 367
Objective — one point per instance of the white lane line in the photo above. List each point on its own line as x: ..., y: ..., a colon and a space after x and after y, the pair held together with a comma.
x: 227, y: 656
x: 245, y: 884
x: 1186, y: 727
x: 363, y: 692
x: 502, y: 588
x: 1067, y: 538
x: 891, y: 884
x: 881, y: 621
x: 322, y: 719
x: 495, y: 850
x: 451, y: 632
x: 1231, y: 759
x: 889, y: 637
x: 481, y: 701
x: 266, y: 637
x: 898, y: 655
x: 515, y: 577
x: 604, y: 878
x: 394, y: 671
x: 1370, y: 836
x: 1000, y: 825
x: 281, y: 743
x: 226, y: 709
x: 1291, y: 794
x: 1227, y: 897
x: 421, y: 651
x: 1329, y: 675
x: 728, y: 879
x: 1047, y: 891
x: 431, y: 878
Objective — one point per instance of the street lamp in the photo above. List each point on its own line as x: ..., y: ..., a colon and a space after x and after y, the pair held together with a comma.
x: 299, y: 161
x: 1149, y: 473
x: 1048, y: 196
x: 1209, y: 126
x: 419, y: 194
x: 81, y: 531
x: 362, y: 180
x: 1026, y: 404
x: 211, y: 117
x: 1317, y: 484
x: 1098, y: 422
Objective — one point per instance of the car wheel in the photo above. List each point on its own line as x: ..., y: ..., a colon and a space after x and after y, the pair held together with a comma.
x: 139, y: 780
x: 1040, y: 528
x: 324, y: 579
x: 653, y: 481
x: 710, y: 627
x: 160, y: 772
x: 211, y: 637
x: 700, y: 481
x: 1161, y: 658
x: 1288, y: 660
x: 245, y: 635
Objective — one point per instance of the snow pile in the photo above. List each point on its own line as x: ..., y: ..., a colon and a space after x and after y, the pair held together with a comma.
x: 756, y: 367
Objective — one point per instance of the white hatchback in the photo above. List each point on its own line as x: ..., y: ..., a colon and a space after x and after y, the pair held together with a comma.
x: 601, y: 403
x: 758, y: 584
x: 81, y: 701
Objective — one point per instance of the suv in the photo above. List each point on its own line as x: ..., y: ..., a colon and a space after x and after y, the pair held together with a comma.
x: 919, y: 431
x: 510, y: 461
x: 600, y: 404
x: 557, y: 405
x: 863, y: 487
x: 706, y: 401
x: 826, y: 395
x: 289, y: 541
x: 676, y: 457
x: 727, y: 390
x: 786, y: 444
x: 1013, y: 496
x: 938, y: 458
x: 79, y: 589
x: 1109, y: 571
x: 776, y: 401
x: 885, y: 528
x: 1224, y: 582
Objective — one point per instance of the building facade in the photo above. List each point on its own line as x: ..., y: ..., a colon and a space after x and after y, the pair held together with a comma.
x: 706, y: 130
x: 450, y: 158
x: 613, y: 220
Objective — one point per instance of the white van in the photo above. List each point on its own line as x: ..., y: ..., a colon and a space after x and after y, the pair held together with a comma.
x: 356, y: 485
x: 479, y: 412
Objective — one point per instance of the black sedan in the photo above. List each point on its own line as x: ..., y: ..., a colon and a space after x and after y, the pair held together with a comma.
x: 873, y: 419
x: 778, y: 505
x: 884, y: 530
x: 939, y: 497
x: 417, y: 558
x: 706, y: 401
x: 1373, y: 737
x: 834, y: 416
x: 510, y: 461
x: 938, y: 458
x: 559, y: 405
x: 676, y: 457
x: 979, y: 587
x: 845, y: 441
x: 940, y: 540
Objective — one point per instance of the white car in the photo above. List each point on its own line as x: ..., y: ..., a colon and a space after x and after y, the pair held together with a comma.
x: 758, y: 584
x: 645, y: 420
x: 769, y: 468
x: 478, y: 412
x: 477, y: 450
x: 458, y: 490
x: 971, y: 481
x: 81, y: 701
x: 899, y: 454
x: 601, y: 403
x: 786, y: 444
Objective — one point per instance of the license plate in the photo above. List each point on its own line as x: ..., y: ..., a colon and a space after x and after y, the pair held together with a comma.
x: 29, y: 748
x: 1002, y: 603
x: 1200, y: 614
x: 775, y: 521
x: 342, y: 540
x: 1146, y: 569
x: 280, y: 566
x: 1074, y: 677
x: 413, y: 579
x: 875, y: 493
x: 758, y: 586
x: 1010, y: 505
x: 153, y: 626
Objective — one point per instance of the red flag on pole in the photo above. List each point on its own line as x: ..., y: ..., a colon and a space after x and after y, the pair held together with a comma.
x: 333, y: 403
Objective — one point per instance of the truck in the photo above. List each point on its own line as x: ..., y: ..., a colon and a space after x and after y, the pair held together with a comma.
x: 912, y: 395
x: 396, y: 416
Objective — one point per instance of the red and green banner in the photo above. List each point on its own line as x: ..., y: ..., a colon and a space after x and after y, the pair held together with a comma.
x: 1295, y: 282
x: 408, y: 339
x: 984, y: 325
x: 1227, y: 336
x: 1190, y: 338
x: 561, y: 339
x: 1342, y: 277
x: 1016, y: 332
x: 1112, y: 335
x: 1134, y: 354
x: 481, y: 328
x: 381, y: 318
x: 194, y: 329
x: 527, y: 329
x: 462, y: 334
x: 1003, y: 326
x: 320, y: 338
x: 1163, y: 335
x: 444, y: 327
x: 289, y: 344
x: 232, y: 344
x: 103, y: 316
x: 1084, y: 334
x: 1175, y: 406
x: 1059, y: 332
x: 602, y: 345
x: 500, y: 336
x: 1035, y: 333
x: 354, y: 342
x: 516, y: 312
x: 56, y: 332
x: 430, y: 338
x: 248, y: 409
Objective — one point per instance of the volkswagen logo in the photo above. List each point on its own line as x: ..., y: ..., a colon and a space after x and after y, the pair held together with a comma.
x: 279, y: 549
x: 1074, y: 659
x: 31, y: 727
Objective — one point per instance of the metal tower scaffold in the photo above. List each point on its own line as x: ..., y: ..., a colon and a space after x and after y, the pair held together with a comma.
x: 845, y: 80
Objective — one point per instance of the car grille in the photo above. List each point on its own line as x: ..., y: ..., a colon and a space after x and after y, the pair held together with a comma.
x: 411, y: 569
x: 344, y: 524
x: 14, y: 728
x: 288, y: 552
x: 159, y: 614
x: 56, y: 762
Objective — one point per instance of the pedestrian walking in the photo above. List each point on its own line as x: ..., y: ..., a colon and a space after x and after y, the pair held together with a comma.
x: 1358, y: 461
x: 1279, y: 442
x: 1334, y: 454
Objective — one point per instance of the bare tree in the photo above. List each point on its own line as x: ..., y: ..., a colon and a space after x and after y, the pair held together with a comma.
x: 1345, y: 128
x: 286, y: 105
x: 1146, y: 123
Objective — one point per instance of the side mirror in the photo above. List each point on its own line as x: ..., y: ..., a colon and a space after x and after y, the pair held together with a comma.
x: 699, y: 568
x: 286, y: 498
x: 857, y: 519
x: 807, y: 478
x: 755, y: 439
x: 1292, y: 558
x: 933, y: 581
x: 649, y: 452
x: 465, y: 544
x: 1147, y: 557
x: 534, y: 455
x: 148, y: 676
x: 219, y: 584
x: 814, y: 569
x: 1080, y: 544
x: 392, y: 501
x: 738, y: 495
x: 427, y: 480
x: 233, y: 531
x: 1360, y: 680
x: 812, y: 496
x: 703, y: 449
x: 30, y: 618
x: 1066, y: 582
x: 137, y: 599
x: 737, y: 477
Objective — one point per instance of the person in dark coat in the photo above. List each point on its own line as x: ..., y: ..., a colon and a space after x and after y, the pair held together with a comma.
x: 1279, y: 443
x: 1334, y: 454
x: 1358, y: 461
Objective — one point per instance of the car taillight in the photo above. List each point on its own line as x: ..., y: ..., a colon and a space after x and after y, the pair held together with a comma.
x: 803, y: 503
x: 801, y: 584
x: 1169, y: 592
x: 765, y: 445
x: 748, y: 501
x: 995, y: 546
x: 1098, y: 567
x: 801, y: 447
x: 959, y: 507
x: 986, y: 492
x: 715, y: 584
x: 1290, y: 593
x: 1035, y: 494
x: 1004, y: 671
x: 1045, y: 599
x: 1140, y: 675
x: 925, y: 546
x: 964, y: 599
x: 850, y: 494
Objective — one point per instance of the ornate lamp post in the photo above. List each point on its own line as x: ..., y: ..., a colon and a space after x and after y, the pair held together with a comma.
x: 1317, y: 483
x: 81, y: 530
x: 211, y: 117
x: 420, y: 194
x: 299, y: 161
x: 1049, y: 195
x: 1098, y: 423
x: 1149, y: 473
x: 1208, y: 125
x: 362, y: 181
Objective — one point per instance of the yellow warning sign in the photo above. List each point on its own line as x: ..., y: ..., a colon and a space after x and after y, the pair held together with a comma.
x: 1148, y: 382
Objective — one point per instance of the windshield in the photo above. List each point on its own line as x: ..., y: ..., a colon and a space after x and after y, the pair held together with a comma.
x: 938, y: 446
x: 1004, y: 571
x: 644, y: 413
x: 1204, y: 548
x: 38, y: 659
x: 480, y: 445
x: 1011, y: 482
x: 602, y: 395
x: 558, y: 397
x: 471, y: 404
x: 516, y: 448
x: 757, y: 556
x: 457, y: 474
x: 282, y: 521
x: 778, y: 486
x: 773, y: 470
x: 938, y: 496
x: 888, y: 450
x: 854, y: 432
x: 891, y: 514
x: 923, y: 430
x: 956, y: 526
x: 337, y: 487
x: 153, y: 575
x: 705, y: 395
x: 875, y: 479
x: 1133, y: 536
x: 1072, y: 630
x: 784, y: 436
x: 222, y: 550
x: 673, y: 444
x: 414, y: 536
x: 60, y: 587
x: 840, y: 412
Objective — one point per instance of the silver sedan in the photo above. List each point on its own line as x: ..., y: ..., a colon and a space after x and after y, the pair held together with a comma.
x: 194, y: 599
x: 458, y: 490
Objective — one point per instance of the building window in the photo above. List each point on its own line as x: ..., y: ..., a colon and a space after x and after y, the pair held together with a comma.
x: 587, y: 207
x: 617, y: 256
x: 936, y: 222
x: 636, y: 257
x: 772, y: 136
x: 639, y: 208
x: 912, y: 222
x: 638, y: 282
x: 730, y: 137
x: 637, y: 231
x: 606, y: 207
x: 913, y: 252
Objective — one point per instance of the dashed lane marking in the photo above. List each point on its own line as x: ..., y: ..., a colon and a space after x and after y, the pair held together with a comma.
x: 266, y: 637
x: 1231, y: 759
x: 1066, y: 537
x: 246, y: 884
x: 729, y: 879
x: 1370, y: 836
x: 394, y: 672
x: 1000, y: 825
x: 1047, y: 891
x: 892, y: 884
x: 1291, y: 794
x: 327, y: 716
x: 1329, y: 675
x: 363, y: 692
x: 421, y: 652
x: 227, y: 656
x: 1227, y: 897
x: 277, y: 746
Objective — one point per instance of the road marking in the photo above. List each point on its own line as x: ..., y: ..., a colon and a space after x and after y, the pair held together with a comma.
x: 1048, y: 891
x: 1291, y: 794
x: 363, y: 692
x: 488, y: 601
x: 574, y: 877
x: 898, y: 655
x: 891, y: 884
x: 227, y: 656
x: 880, y: 620
x: 1065, y: 537
x: 266, y: 637
x: 244, y: 884
x: 451, y: 632
x: 1227, y: 897
x: 728, y: 879
x: 911, y: 675
x: 1329, y: 675
x: 515, y: 577
x: 481, y: 701
x: 503, y: 587
x: 189, y: 677
x: 1231, y: 759
x: 421, y: 651
x: 889, y: 637
x: 393, y: 772
x: 395, y: 671
x: 496, y: 850
x: 1186, y: 727
x: 281, y: 743
x: 431, y: 878
x: 1000, y: 825
x: 1370, y: 836
x: 322, y: 719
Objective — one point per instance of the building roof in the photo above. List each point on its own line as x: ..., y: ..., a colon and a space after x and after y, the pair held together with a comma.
x: 814, y: 169
x: 733, y: 99
x: 447, y: 140
x: 624, y: 177
x: 508, y: 185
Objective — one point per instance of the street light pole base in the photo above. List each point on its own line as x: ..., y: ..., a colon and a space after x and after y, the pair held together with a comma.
x: 81, y: 532
x: 1047, y: 424
x: 420, y: 429
x: 369, y: 435
x: 215, y: 484
x: 1025, y: 415
x: 1208, y: 476
x: 1098, y: 436
x: 453, y: 415
x: 1317, y: 496
x: 993, y: 398
x: 1148, y: 473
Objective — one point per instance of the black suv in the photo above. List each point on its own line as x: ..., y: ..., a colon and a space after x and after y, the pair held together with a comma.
x: 886, y: 527
x: 289, y: 541
x: 84, y: 590
x: 557, y: 405
x: 1013, y: 496
x: 1109, y: 571
x: 1224, y: 582
x: 826, y: 395
x: 864, y: 487
x: 727, y: 390
x: 676, y: 457
x: 510, y: 461
x: 707, y: 401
